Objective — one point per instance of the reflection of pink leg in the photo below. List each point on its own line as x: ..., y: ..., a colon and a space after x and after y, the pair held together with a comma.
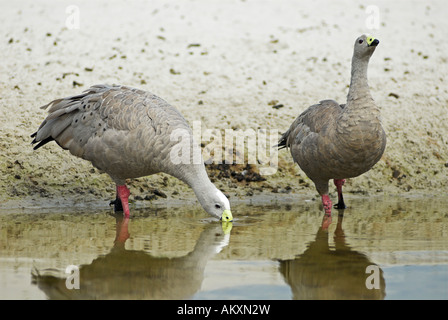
x: 123, y: 193
x: 122, y: 233
x: 327, y: 207
x: 339, y: 183
x: 327, y: 204
x: 326, y: 221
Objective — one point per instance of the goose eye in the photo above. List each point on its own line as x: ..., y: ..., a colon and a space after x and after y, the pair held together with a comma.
x: 217, y: 206
x: 360, y: 41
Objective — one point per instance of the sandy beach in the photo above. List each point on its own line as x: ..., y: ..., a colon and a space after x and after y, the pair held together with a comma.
x: 229, y: 65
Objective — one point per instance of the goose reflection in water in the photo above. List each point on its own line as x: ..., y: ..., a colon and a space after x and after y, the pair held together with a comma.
x: 129, y: 274
x: 322, y: 272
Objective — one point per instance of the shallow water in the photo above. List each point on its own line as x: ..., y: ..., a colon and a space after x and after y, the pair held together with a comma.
x: 397, y: 246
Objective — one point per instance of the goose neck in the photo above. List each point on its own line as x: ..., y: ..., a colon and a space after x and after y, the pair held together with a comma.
x: 359, y: 87
x: 196, y: 177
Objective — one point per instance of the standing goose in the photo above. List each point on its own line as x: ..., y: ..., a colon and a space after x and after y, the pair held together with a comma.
x: 332, y: 141
x: 128, y: 133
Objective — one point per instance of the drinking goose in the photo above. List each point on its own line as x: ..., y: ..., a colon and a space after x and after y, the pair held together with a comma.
x: 130, y: 133
x: 332, y: 141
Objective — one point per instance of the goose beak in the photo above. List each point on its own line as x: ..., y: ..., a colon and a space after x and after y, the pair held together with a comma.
x: 227, y: 216
x: 372, y: 42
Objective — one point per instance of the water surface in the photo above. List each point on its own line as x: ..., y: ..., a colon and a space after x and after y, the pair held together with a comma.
x: 276, y: 251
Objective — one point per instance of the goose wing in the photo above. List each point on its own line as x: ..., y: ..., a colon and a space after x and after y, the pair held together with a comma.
x: 123, y: 131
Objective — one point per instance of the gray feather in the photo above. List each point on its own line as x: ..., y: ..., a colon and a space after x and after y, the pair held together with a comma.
x: 126, y: 133
x: 332, y: 141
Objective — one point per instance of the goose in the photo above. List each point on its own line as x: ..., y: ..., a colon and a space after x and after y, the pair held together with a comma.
x: 130, y: 133
x: 339, y: 141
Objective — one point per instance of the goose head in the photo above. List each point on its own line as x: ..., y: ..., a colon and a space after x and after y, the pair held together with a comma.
x: 215, y: 203
x: 365, y: 46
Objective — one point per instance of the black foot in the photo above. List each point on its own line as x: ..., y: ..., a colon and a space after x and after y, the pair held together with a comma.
x: 340, y: 205
x: 117, y: 205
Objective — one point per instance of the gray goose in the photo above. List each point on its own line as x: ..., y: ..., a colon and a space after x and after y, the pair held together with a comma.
x: 130, y: 133
x: 333, y: 141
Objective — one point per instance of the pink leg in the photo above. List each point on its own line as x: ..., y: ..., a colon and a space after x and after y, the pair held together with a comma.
x: 339, y: 183
x: 123, y: 193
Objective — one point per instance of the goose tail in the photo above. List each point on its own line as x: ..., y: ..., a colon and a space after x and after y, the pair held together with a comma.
x: 283, y: 142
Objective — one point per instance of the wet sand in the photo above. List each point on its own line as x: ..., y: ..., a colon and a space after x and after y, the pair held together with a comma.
x: 227, y: 65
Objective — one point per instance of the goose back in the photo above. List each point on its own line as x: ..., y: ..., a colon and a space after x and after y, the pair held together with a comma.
x: 123, y: 131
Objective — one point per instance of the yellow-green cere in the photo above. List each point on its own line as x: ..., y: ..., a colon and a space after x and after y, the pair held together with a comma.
x: 227, y: 216
x: 370, y: 40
